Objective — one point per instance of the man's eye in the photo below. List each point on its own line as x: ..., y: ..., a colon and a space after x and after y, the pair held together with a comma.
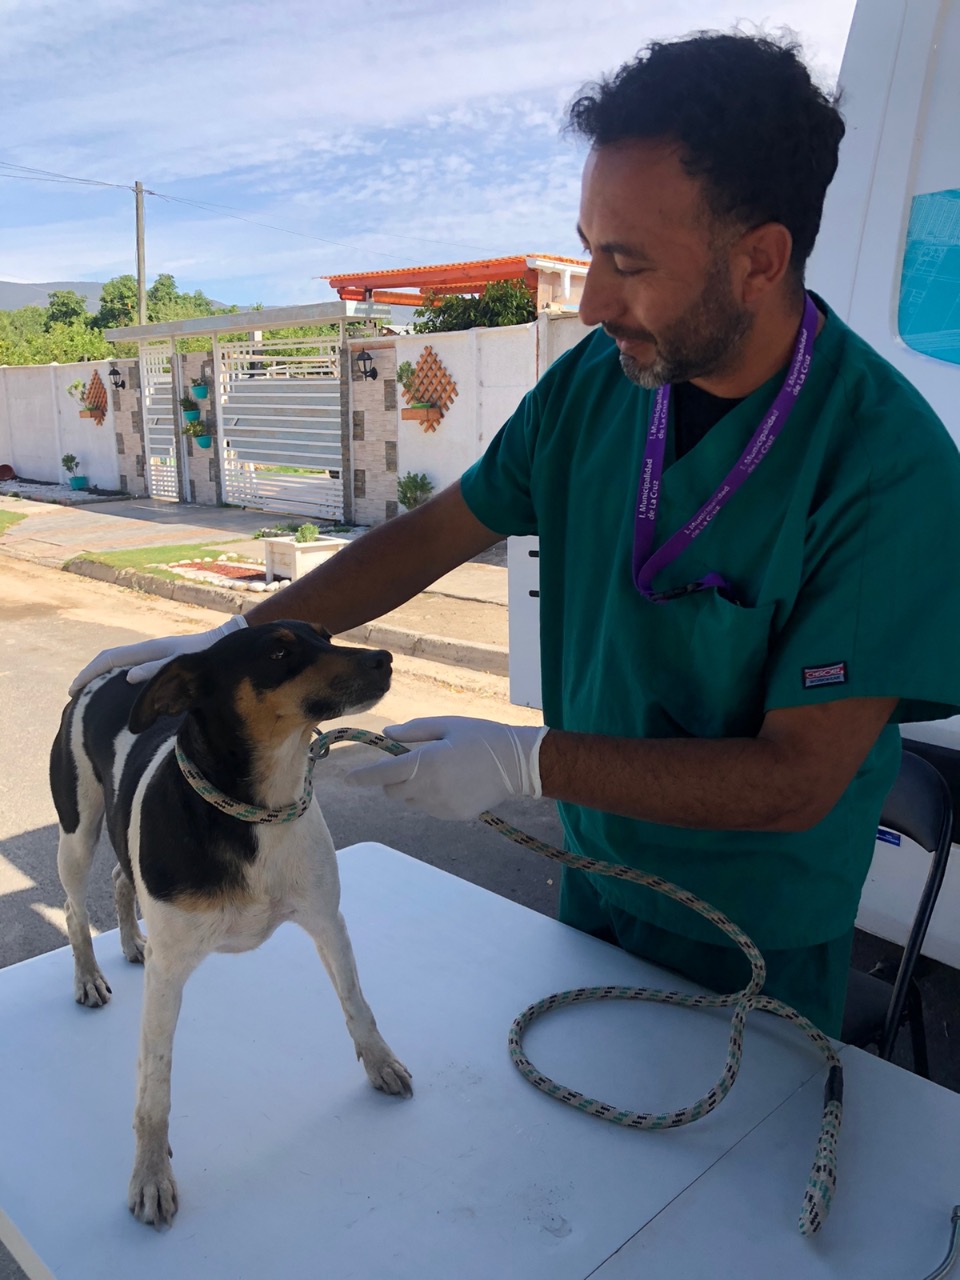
x: 631, y: 271
x: 278, y: 653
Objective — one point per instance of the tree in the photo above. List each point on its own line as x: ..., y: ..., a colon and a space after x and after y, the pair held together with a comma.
x: 118, y: 303
x: 65, y: 307
x: 64, y: 332
x: 162, y: 298
x: 62, y: 343
x: 16, y: 325
x: 502, y: 302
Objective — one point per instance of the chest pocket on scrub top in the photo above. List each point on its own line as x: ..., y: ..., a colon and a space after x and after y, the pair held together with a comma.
x: 720, y: 666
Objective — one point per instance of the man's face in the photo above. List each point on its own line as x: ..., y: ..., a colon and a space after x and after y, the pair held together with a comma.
x: 660, y: 279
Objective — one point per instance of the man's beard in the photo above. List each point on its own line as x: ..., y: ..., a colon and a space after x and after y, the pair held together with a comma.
x: 704, y: 341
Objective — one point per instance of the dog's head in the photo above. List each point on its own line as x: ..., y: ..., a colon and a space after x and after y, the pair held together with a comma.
x: 267, y: 680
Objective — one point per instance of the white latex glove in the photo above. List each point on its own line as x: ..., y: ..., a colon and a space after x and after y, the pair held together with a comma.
x: 459, y: 768
x: 147, y: 657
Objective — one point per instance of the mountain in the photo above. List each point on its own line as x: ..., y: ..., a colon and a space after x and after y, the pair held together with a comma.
x: 13, y: 296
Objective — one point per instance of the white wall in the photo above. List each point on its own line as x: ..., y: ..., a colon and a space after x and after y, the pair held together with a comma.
x: 40, y: 422
x: 557, y: 334
x: 493, y: 370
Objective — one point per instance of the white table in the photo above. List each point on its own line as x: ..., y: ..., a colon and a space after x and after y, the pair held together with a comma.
x: 290, y: 1166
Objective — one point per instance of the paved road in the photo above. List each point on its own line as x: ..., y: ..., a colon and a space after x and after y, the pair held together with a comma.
x: 52, y: 622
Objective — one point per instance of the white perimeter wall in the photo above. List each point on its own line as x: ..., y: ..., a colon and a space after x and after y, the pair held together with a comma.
x: 40, y: 422
x: 493, y: 370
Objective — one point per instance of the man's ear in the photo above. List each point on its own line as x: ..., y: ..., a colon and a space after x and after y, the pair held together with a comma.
x: 173, y: 690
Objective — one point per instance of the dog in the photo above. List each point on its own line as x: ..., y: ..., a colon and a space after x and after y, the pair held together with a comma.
x: 237, y: 719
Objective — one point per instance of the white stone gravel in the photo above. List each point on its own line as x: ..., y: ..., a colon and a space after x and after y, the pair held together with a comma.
x: 61, y: 494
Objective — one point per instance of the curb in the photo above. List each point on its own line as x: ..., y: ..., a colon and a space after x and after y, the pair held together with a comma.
x: 490, y: 658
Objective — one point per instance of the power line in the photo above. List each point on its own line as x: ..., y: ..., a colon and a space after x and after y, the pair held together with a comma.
x: 44, y: 175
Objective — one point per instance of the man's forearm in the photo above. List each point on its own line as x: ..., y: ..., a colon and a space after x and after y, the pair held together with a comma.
x: 383, y: 569
x: 725, y: 784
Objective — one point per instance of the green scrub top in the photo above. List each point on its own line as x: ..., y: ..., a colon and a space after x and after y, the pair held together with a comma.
x: 842, y: 549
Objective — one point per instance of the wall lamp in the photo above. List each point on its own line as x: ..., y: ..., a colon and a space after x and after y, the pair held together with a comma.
x: 365, y: 362
x: 116, y: 381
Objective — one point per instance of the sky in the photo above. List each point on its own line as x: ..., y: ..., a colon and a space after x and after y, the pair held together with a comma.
x: 369, y: 135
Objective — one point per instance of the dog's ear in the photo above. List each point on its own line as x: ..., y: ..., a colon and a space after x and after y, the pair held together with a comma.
x: 173, y: 690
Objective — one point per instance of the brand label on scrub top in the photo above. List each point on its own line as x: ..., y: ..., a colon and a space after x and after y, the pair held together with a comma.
x: 815, y: 676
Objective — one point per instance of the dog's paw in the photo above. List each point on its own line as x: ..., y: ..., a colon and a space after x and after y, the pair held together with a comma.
x: 385, y: 1072
x: 152, y: 1197
x: 134, y: 948
x: 91, y: 989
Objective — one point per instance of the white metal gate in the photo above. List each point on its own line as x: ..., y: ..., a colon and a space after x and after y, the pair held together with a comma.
x: 159, y: 428
x: 279, y: 416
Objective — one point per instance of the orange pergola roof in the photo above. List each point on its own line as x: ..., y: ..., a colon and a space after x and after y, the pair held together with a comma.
x: 441, y: 279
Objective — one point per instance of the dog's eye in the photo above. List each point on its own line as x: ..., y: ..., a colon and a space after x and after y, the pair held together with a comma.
x: 279, y: 652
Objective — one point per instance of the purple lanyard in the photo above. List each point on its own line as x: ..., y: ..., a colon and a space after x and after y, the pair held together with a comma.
x: 647, y: 566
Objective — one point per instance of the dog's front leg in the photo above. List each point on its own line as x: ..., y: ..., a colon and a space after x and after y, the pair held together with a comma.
x: 328, y: 930
x: 153, y: 1191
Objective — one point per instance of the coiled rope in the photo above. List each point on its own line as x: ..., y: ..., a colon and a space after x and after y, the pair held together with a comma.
x: 823, y: 1176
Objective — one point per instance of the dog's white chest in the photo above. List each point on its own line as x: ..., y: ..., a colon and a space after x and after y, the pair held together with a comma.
x: 295, y: 866
x: 251, y: 926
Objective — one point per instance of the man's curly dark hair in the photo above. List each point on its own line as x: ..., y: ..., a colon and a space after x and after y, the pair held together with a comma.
x: 748, y: 119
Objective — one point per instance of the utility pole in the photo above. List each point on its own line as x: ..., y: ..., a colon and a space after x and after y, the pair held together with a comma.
x: 141, y: 264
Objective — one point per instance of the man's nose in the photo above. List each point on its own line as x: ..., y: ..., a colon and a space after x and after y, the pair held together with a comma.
x: 598, y: 302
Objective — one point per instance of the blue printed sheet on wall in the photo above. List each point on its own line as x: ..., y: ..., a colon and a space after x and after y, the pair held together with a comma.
x: 929, y: 314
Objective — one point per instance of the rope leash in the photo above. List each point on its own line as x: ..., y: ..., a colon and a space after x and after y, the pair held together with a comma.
x: 823, y: 1176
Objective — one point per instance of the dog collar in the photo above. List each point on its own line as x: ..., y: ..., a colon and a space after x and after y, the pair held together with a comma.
x: 236, y: 808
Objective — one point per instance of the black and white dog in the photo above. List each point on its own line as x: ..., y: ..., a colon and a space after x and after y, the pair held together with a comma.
x: 202, y: 776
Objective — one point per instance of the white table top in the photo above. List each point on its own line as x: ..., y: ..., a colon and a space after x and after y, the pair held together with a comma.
x: 290, y: 1165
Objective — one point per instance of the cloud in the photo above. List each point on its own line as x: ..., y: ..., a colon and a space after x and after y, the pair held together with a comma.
x: 403, y: 128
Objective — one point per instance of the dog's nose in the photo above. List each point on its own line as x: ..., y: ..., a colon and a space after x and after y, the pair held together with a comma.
x: 378, y: 659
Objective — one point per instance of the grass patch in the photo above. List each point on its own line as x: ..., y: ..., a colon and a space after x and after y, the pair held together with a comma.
x: 282, y: 470
x: 8, y: 519
x: 152, y: 559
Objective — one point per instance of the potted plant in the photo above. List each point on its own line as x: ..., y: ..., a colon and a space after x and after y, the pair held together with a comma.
x: 291, y: 555
x: 71, y: 464
x: 413, y: 490
x: 407, y: 377
x: 421, y: 409
x: 197, y: 431
x: 190, y: 411
x: 91, y: 411
x: 198, y: 389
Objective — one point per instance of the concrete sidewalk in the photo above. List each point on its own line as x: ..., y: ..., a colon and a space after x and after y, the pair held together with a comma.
x: 461, y: 619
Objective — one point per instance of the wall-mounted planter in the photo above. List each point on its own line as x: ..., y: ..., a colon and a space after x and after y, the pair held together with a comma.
x: 424, y: 414
x: 287, y: 558
x: 199, y: 390
x: 191, y: 415
x: 202, y: 442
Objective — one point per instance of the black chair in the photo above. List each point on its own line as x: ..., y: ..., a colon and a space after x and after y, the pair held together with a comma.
x: 879, y: 1003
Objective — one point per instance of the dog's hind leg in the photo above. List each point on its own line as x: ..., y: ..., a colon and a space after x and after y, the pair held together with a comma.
x: 74, y: 859
x: 124, y: 895
x: 152, y: 1195
x: 329, y: 932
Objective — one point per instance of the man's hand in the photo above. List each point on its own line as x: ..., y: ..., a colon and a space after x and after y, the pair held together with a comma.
x: 147, y: 657
x: 459, y: 767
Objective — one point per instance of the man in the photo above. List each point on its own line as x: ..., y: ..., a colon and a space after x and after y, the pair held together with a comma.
x: 746, y: 583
